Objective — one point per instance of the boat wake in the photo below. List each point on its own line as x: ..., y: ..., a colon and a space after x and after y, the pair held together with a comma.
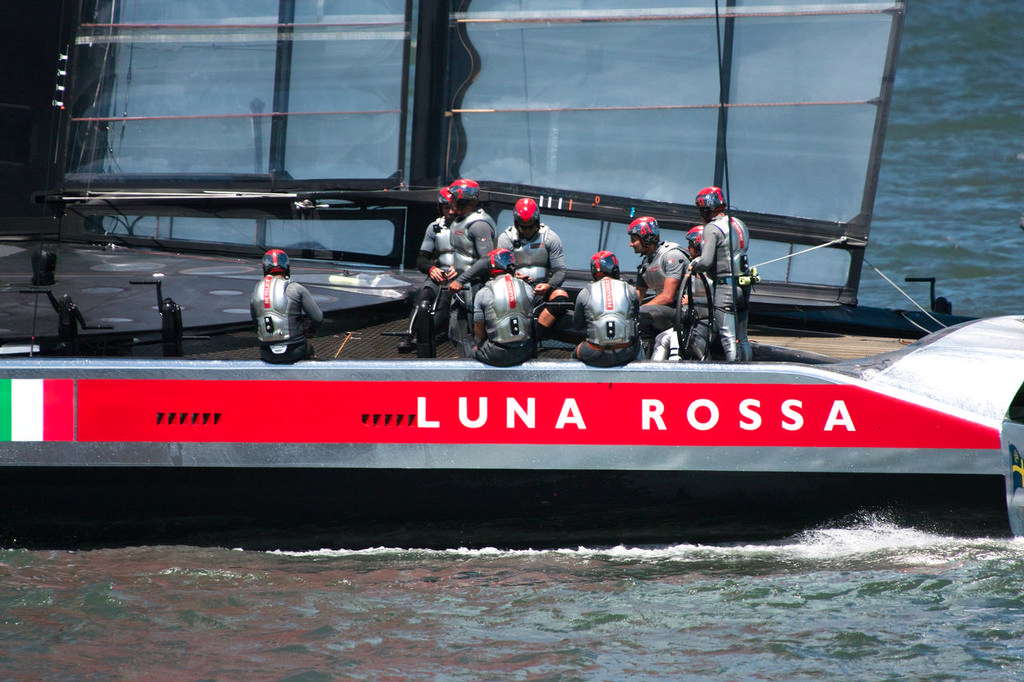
x: 872, y: 542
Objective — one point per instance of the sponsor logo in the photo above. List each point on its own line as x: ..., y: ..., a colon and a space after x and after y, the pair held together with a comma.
x: 510, y: 291
x: 268, y: 282
x: 570, y: 413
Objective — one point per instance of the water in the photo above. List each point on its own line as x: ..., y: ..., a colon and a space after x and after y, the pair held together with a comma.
x: 951, y: 191
x: 872, y: 602
x: 869, y: 602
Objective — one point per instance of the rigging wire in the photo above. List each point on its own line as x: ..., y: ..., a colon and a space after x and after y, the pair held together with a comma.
x: 837, y: 240
x: 723, y: 133
x: 908, y: 297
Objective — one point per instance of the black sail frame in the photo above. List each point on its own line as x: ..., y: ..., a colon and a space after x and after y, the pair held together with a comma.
x: 602, y: 114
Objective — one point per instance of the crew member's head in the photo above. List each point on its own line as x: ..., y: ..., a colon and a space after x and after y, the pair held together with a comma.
x: 604, y: 264
x: 526, y: 217
x: 502, y: 261
x: 444, y: 205
x: 695, y: 240
x: 464, y: 196
x: 710, y: 203
x: 275, y: 262
x: 644, y: 234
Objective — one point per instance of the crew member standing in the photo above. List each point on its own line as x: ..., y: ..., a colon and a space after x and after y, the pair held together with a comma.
x: 609, y: 308
x: 724, y: 257
x: 503, y: 315
x: 282, y: 310
x: 661, y: 271
x: 539, y: 257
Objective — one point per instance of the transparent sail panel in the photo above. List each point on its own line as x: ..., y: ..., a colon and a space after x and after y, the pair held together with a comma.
x: 374, y: 236
x: 588, y: 106
x: 793, y: 263
x: 231, y: 87
x: 623, y: 98
x: 824, y: 181
x: 803, y: 112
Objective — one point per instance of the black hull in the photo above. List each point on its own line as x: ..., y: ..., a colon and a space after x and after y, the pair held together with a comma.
x: 306, y: 509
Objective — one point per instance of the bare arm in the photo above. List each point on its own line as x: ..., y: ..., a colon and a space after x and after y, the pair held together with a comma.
x: 667, y: 296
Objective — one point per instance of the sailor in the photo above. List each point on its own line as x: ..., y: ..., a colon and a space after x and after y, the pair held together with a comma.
x: 609, y: 308
x: 690, y: 332
x: 660, y: 271
x: 437, y: 261
x: 540, y: 260
x: 284, y: 312
x: 472, y: 239
x: 503, y: 315
x: 724, y: 257
x: 472, y: 233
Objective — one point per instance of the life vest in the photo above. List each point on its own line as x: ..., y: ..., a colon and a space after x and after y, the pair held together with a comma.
x: 739, y: 247
x: 440, y: 237
x: 511, y: 305
x: 608, y: 313
x: 653, y: 270
x: 463, y: 245
x: 531, y: 256
x: 270, y: 305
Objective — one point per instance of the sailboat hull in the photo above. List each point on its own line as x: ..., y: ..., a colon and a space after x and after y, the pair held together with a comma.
x: 435, y: 453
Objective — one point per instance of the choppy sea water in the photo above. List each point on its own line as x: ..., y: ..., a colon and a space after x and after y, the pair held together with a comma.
x: 871, y: 601
x: 951, y: 190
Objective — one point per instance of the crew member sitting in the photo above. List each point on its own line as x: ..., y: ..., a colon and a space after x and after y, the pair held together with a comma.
x: 609, y: 307
x: 661, y: 271
x: 503, y: 315
x: 283, y: 310
x: 690, y: 337
x: 472, y: 239
x: 437, y: 261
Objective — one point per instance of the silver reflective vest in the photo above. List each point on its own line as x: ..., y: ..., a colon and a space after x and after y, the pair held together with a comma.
x: 608, y: 312
x: 512, y: 308
x: 740, y: 241
x: 654, y: 270
x: 438, y: 241
x: 270, y: 306
x: 462, y: 243
x: 531, y: 256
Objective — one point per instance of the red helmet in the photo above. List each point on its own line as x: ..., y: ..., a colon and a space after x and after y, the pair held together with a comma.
x: 463, y: 192
x: 275, y: 262
x: 444, y: 204
x: 502, y: 260
x: 604, y: 264
x: 709, y: 200
x: 526, y: 214
x: 695, y: 237
x: 646, y: 228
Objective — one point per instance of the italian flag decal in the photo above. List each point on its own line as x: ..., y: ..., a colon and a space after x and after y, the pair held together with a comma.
x: 37, y: 409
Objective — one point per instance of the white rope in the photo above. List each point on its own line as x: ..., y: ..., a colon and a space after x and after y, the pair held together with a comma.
x: 838, y: 240
x: 907, y: 296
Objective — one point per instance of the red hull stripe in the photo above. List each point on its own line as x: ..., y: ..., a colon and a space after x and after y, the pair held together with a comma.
x: 59, y: 409
x: 525, y: 413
